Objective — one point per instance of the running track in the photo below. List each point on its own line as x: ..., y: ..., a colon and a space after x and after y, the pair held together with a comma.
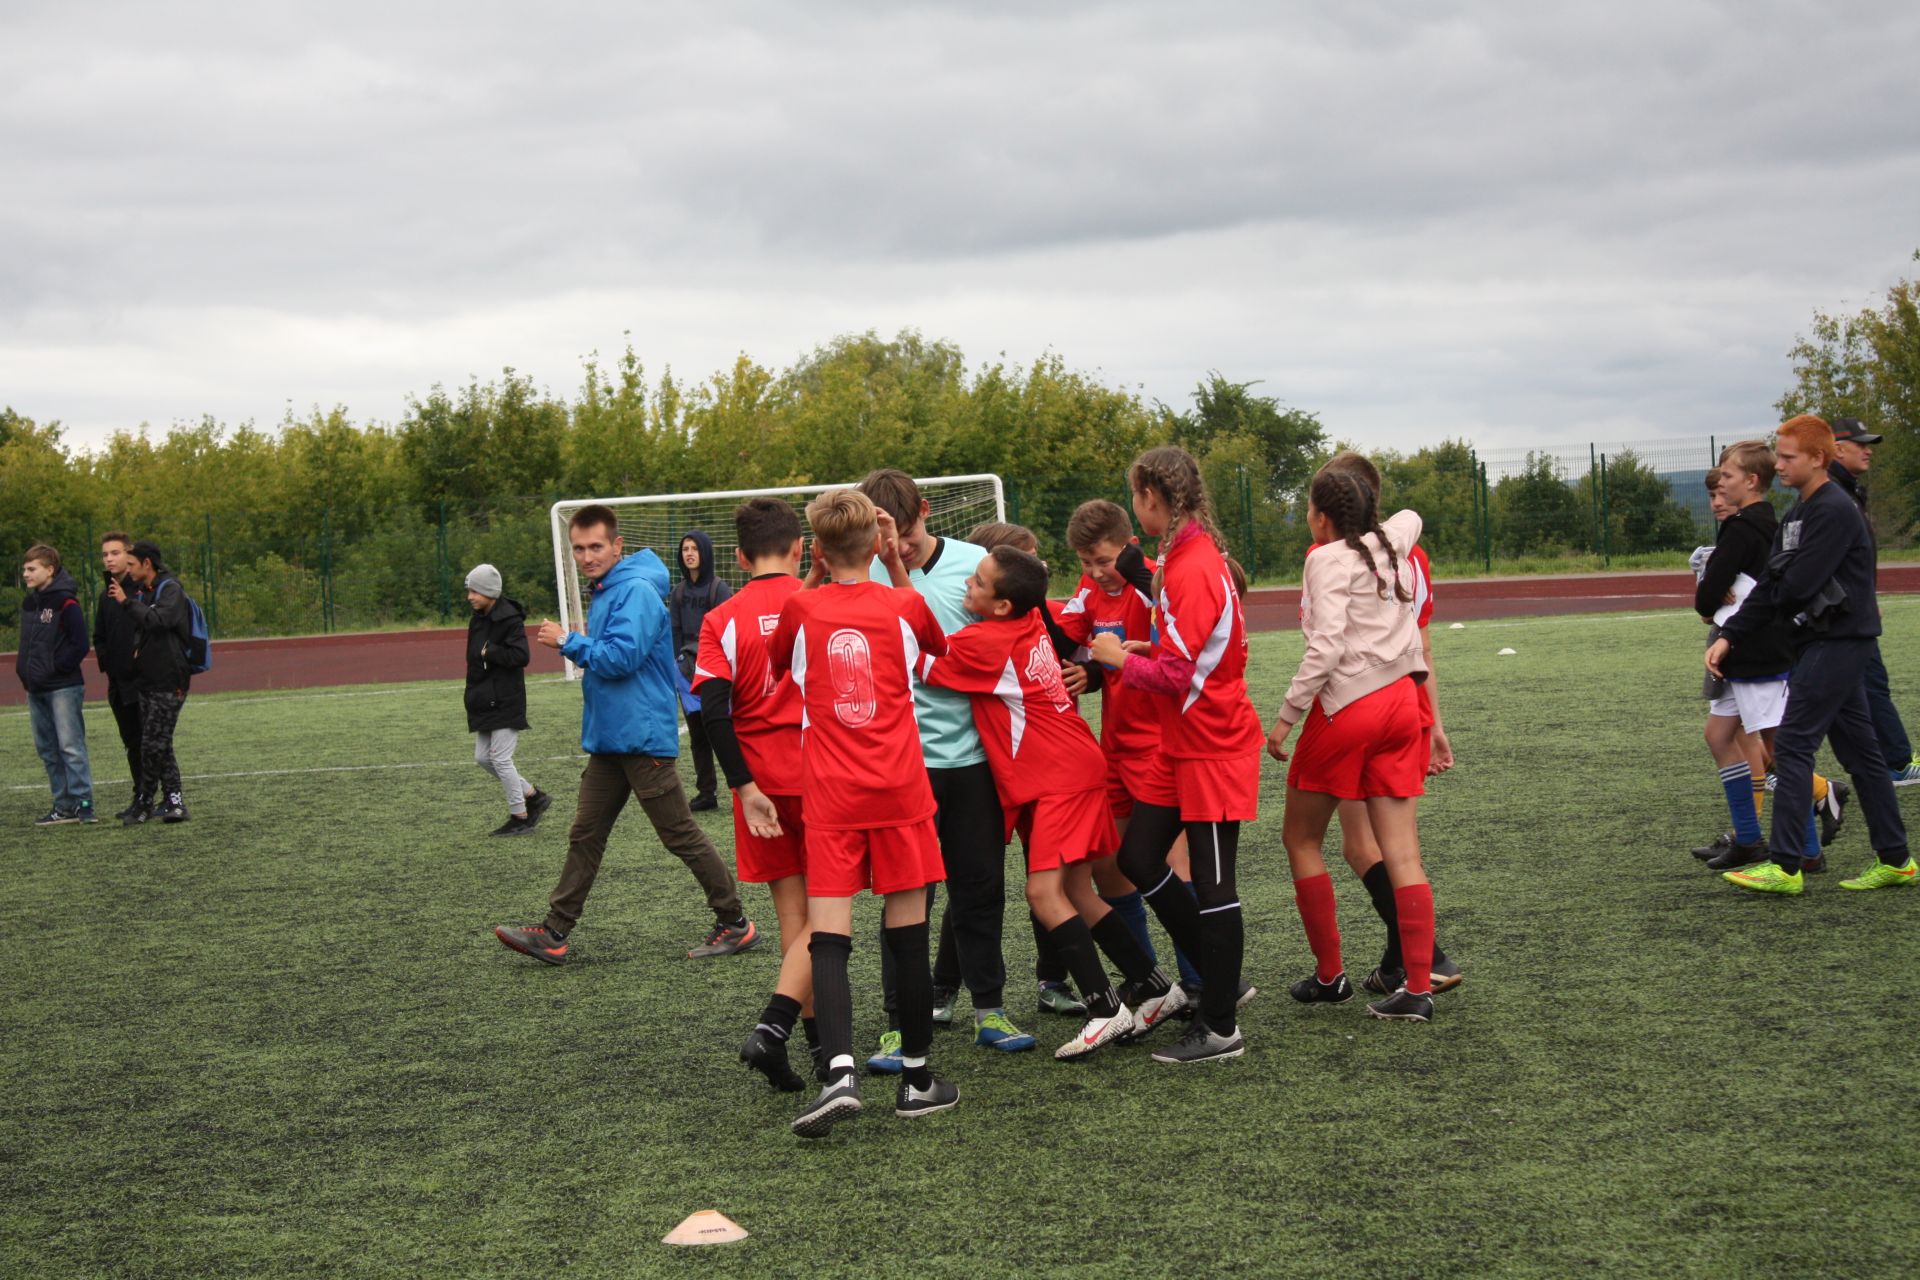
x: 440, y: 654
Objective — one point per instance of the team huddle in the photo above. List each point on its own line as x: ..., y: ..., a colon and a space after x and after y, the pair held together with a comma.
x: 889, y: 722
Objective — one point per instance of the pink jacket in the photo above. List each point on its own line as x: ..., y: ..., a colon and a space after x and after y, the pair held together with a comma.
x: 1356, y: 642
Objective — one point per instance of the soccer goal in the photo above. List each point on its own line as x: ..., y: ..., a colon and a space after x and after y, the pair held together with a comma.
x: 955, y: 504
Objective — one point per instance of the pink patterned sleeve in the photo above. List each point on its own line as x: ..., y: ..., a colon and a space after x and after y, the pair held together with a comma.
x: 1168, y: 673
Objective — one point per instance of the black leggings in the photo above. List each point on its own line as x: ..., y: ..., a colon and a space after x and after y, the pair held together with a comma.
x: 1207, y: 926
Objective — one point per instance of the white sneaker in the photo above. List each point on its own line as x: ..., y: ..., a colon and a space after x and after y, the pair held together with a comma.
x: 1157, y: 1009
x: 1096, y: 1032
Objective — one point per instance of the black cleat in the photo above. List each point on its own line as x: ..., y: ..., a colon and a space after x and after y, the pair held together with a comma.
x: 514, y: 826
x: 768, y: 1056
x: 174, y: 810
x: 1832, y: 811
x: 1813, y: 866
x: 839, y: 1101
x: 1446, y: 975
x: 703, y: 802
x: 939, y: 1095
x: 1403, y: 1006
x: 1721, y: 843
x: 1310, y: 990
x: 537, y: 805
x: 1738, y: 855
x: 138, y: 814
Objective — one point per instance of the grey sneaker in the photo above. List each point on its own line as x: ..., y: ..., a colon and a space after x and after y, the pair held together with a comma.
x: 939, y: 1095
x: 839, y: 1101
x: 726, y: 939
x: 1202, y: 1044
x: 1403, y: 1006
x: 55, y: 818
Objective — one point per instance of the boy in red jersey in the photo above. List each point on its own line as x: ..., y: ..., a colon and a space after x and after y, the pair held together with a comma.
x: 752, y: 719
x: 851, y: 646
x: 1207, y: 774
x: 1050, y: 776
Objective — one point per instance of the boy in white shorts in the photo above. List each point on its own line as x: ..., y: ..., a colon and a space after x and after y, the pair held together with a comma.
x: 1755, y: 695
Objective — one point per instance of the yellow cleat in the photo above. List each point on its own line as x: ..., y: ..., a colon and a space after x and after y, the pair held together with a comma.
x: 1882, y: 876
x: 1768, y: 877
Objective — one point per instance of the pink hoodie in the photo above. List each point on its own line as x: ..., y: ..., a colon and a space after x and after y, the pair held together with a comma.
x: 1356, y: 642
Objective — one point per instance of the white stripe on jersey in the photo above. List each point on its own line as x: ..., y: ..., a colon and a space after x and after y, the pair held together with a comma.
x: 1421, y: 589
x: 798, y: 670
x: 1172, y: 628
x: 726, y: 647
x: 1077, y: 605
x: 1007, y: 689
x: 912, y: 650
x: 1216, y: 646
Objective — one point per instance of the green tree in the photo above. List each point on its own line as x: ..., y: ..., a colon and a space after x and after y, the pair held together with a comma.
x: 1641, y: 512
x: 1289, y: 440
x: 1867, y: 366
x: 1535, y: 511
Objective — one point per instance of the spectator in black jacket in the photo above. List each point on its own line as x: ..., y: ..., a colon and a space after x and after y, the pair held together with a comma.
x: 113, y: 644
x: 53, y: 642
x: 1756, y: 673
x: 497, y: 658
x: 1853, y: 455
x: 1820, y: 578
x: 699, y: 590
x: 162, y: 625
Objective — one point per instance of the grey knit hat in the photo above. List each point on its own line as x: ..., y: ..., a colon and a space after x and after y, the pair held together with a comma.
x: 486, y: 580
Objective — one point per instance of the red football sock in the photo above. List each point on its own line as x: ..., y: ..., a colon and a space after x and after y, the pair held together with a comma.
x: 1414, y: 903
x: 1314, y: 897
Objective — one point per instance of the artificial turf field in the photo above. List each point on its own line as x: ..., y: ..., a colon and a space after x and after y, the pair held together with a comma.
x: 281, y: 1038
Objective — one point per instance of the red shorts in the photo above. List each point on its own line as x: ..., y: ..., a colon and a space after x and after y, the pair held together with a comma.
x: 762, y: 861
x: 1060, y: 829
x: 885, y: 859
x: 1138, y: 779
x: 1219, y: 790
x: 1373, y: 748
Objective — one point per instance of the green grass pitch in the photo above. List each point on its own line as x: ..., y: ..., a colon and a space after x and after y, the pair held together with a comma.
x: 281, y: 1039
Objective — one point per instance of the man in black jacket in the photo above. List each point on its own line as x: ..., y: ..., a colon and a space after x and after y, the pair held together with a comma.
x: 1853, y: 455
x: 113, y: 644
x: 53, y: 642
x: 1821, y: 579
x: 497, y: 658
x: 162, y: 624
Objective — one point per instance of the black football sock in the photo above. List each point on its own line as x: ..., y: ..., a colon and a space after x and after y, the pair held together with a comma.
x: 1116, y: 938
x: 1221, y: 948
x: 1143, y: 859
x: 778, y: 1018
x: 913, y: 974
x: 1048, y: 964
x: 811, y: 1026
x: 833, y: 1000
x: 1074, y: 945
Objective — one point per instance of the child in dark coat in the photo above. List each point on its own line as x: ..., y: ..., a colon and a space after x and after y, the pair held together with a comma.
x: 497, y: 695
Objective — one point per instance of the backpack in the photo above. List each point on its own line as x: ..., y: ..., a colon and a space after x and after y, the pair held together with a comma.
x: 197, y: 648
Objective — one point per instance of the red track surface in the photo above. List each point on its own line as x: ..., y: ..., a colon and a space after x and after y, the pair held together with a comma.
x: 440, y: 654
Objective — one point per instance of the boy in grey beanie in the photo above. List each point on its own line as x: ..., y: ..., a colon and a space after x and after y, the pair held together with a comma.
x: 497, y: 658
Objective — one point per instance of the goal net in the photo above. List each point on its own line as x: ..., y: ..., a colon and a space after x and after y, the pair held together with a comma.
x: 955, y: 504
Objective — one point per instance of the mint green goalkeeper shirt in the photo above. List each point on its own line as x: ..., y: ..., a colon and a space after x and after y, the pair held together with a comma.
x: 947, y: 737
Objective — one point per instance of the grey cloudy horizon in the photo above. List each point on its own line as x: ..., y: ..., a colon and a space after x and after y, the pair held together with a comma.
x: 1515, y: 224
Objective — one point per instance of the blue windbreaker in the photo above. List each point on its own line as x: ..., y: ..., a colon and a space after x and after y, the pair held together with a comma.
x: 629, y: 703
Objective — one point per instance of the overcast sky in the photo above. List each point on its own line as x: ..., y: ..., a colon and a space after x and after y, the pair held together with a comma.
x: 1514, y: 222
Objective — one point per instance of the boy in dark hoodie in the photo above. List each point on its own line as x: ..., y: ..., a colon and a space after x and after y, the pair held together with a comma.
x: 113, y: 645
x: 53, y: 641
x: 496, y: 695
x: 162, y: 622
x: 699, y: 590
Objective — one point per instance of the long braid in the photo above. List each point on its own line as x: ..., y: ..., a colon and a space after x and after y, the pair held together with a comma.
x: 1172, y: 473
x: 1349, y: 503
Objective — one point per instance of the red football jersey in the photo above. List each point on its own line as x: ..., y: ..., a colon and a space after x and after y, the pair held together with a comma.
x: 1036, y: 742
x: 851, y: 648
x: 1129, y: 718
x: 734, y: 641
x: 1198, y: 617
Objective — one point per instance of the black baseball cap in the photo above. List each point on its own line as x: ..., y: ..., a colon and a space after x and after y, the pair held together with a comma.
x: 1855, y: 430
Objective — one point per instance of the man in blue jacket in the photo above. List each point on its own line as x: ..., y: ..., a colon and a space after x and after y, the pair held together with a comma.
x: 630, y: 728
x: 53, y: 640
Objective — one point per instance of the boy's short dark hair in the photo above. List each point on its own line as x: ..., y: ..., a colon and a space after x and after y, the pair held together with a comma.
x: 1098, y: 521
x: 1752, y: 457
x: 1023, y: 579
x: 894, y: 492
x: 114, y: 535
x: 149, y: 552
x: 41, y: 553
x: 595, y: 515
x: 998, y: 533
x: 765, y: 527
x: 1713, y: 479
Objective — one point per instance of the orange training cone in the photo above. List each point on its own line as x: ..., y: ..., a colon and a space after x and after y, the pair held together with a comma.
x: 709, y: 1226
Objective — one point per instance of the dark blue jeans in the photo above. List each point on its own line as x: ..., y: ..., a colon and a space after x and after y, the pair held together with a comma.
x: 1894, y: 744
x: 1827, y: 701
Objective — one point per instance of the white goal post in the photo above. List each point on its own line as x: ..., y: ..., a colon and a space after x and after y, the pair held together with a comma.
x: 955, y: 504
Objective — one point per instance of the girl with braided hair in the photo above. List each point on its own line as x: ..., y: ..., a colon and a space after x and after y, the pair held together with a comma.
x: 1356, y: 692
x: 1205, y: 778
